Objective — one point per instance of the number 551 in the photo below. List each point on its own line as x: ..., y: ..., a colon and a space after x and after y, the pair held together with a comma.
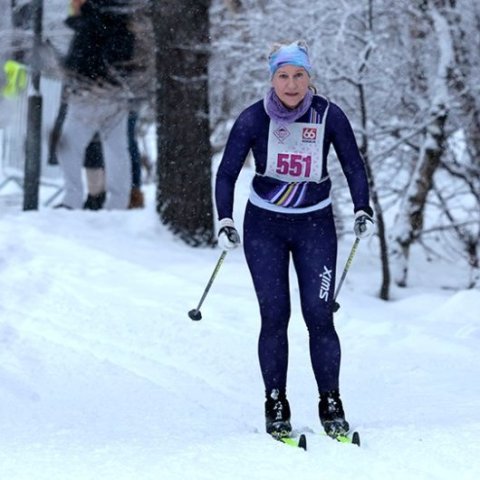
x: 294, y: 164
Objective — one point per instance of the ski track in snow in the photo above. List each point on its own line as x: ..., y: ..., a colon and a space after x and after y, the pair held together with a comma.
x: 103, y: 375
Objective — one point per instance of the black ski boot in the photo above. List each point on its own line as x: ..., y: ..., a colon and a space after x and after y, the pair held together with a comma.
x: 95, y: 202
x: 332, y: 415
x: 277, y: 415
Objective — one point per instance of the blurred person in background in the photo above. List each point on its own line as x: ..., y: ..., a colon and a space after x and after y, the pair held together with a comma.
x: 98, y: 60
x: 95, y: 166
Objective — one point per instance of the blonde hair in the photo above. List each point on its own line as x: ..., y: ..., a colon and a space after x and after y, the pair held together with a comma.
x: 283, y: 43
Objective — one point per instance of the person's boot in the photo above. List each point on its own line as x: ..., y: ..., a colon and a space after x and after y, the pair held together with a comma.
x: 95, y: 202
x: 332, y: 415
x: 277, y: 414
x: 137, y: 199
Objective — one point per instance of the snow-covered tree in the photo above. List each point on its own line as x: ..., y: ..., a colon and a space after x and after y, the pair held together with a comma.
x: 433, y: 27
x: 184, y: 195
x: 406, y: 73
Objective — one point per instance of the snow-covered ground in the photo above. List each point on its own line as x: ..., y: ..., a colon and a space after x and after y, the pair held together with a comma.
x: 104, y: 376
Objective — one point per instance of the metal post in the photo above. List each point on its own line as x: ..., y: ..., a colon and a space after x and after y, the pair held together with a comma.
x: 33, y: 147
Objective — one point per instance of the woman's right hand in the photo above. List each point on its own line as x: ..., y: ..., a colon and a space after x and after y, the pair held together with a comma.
x: 228, y: 237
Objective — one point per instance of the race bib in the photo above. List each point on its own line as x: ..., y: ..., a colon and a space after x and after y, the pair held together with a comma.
x: 295, y: 151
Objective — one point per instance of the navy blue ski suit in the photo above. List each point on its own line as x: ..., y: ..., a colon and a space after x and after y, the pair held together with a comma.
x: 288, y: 219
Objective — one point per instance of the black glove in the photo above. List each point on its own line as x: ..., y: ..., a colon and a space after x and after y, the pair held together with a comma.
x: 228, y: 237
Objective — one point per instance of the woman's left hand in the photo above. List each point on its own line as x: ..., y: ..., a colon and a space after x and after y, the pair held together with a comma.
x: 364, y: 225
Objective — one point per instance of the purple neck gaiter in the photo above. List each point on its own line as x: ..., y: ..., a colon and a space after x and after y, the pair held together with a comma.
x: 278, y: 112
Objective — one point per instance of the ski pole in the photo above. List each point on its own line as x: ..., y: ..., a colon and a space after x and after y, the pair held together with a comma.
x: 195, y: 314
x: 336, y: 305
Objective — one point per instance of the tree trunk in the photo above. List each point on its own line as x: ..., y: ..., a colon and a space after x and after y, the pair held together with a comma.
x: 384, y: 293
x: 184, y: 193
x: 409, y: 222
x: 464, y: 79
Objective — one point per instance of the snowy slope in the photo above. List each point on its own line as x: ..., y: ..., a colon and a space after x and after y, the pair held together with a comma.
x: 104, y: 376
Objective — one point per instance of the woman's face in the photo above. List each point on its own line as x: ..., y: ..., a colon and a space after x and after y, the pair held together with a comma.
x: 291, y: 84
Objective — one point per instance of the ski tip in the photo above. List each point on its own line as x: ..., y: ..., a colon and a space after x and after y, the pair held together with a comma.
x: 353, y: 438
x: 302, y: 442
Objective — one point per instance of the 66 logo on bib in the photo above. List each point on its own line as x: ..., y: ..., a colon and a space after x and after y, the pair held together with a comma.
x: 309, y: 134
